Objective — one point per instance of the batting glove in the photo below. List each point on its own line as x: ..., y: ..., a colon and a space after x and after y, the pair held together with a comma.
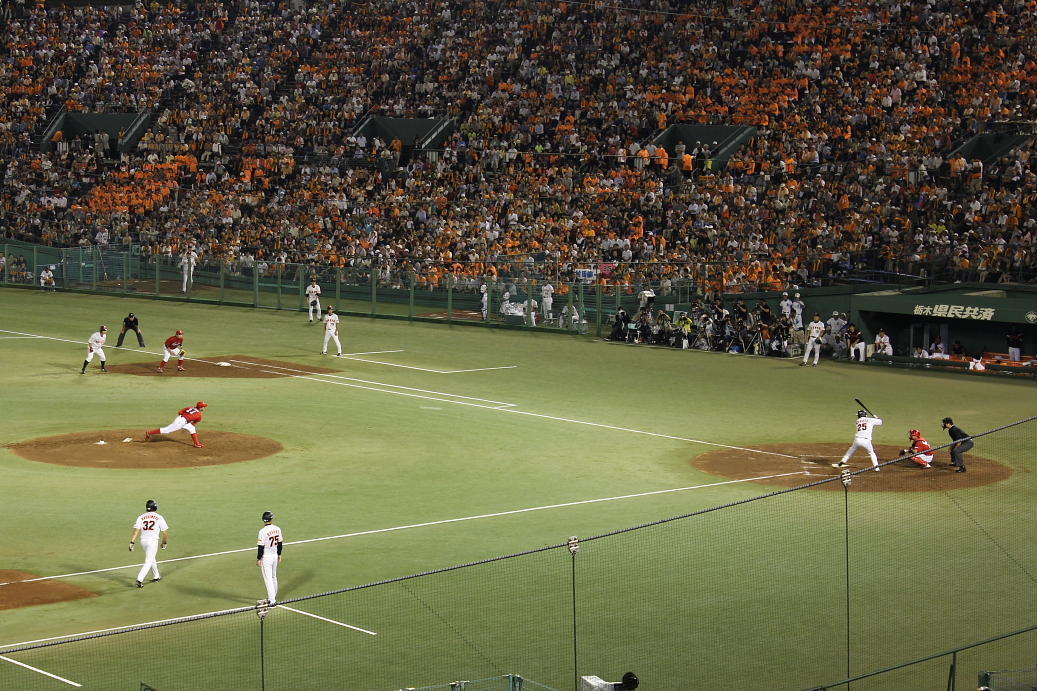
x: 163, y: 545
x: 131, y: 546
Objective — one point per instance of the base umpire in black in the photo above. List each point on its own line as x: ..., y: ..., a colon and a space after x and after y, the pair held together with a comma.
x: 130, y: 323
x: 959, y: 449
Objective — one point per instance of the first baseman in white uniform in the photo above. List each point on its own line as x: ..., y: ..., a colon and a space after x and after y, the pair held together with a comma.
x: 862, y: 439
x: 313, y: 298
x: 95, y: 346
x: 268, y: 554
x: 152, y: 529
x: 331, y: 332
x: 815, y: 333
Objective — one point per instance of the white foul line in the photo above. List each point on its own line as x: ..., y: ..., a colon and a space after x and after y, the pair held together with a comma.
x: 444, y: 521
x: 366, y: 381
x: 34, y: 669
x: 330, y: 621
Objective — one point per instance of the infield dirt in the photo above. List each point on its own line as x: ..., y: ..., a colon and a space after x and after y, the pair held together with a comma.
x: 176, y: 450
x: 15, y: 594
x: 801, y: 464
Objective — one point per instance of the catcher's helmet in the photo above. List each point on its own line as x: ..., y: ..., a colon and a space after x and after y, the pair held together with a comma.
x: 268, y: 516
x: 151, y: 505
x: 914, y: 434
x: 179, y: 332
x: 201, y: 404
x: 862, y: 413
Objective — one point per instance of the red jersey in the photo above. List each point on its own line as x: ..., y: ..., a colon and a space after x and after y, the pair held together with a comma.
x: 191, y: 414
x: 921, y: 446
x: 174, y: 342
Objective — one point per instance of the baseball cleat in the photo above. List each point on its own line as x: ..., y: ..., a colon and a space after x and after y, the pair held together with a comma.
x: 82, y: 371
x: 139, y: 584
x: 840, y: 465
x: 156, y: 580
x: 323, y: 353
x: 877, y: 469
x: 147, y: 435
x: 180, y: 369
x: 160, y: 370
x: 340, y: 355
x: 199, y: 445
x: 105, y: 370
x: 961, y: 469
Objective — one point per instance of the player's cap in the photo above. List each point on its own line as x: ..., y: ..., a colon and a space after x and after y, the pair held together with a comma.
x: 201, y: 404
x: 179, y: 332
x: 130, y: 314
x: 51, y: 267
x: 835, y: 313
x: 914, y: 434
x: 268, y: 516
x: 103, y: 328
x: 947, y: 421
x: 151, y: 505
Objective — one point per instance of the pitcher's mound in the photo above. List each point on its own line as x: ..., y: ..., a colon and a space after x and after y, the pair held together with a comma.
x: 792, y: 465
x: 163, y: 451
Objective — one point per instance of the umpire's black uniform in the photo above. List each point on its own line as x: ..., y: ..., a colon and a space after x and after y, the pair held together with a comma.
x: 130, y: 323
x: 964, y: 443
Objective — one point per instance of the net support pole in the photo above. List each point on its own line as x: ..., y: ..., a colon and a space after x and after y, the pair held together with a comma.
x: 302, y: 288
x: 374, y: 288
x: 411, y: 279
x: 255, y: 285
x: 35, y: 266
x: 125, y: 272
x: 847, y: 480
x: 280, y: 280
x: 338, y: 286
x: 574, y: 548
x: 223, y: 267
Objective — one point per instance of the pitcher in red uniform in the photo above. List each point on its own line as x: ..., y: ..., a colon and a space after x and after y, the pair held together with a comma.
x: 187, y: 418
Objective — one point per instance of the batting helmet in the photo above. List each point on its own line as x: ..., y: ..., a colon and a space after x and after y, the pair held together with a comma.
x: 103, y: 328
x: 914, y: 434
x: 201, y: 404
x: 179, y: 332
x: 268, y: 516
x: 151, y: 505
x: 862, y: 413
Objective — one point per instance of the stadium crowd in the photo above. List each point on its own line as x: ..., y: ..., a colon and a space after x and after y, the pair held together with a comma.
x: 253, y: 154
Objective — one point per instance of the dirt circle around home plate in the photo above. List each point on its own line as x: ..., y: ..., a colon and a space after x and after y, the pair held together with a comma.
x: 127, y: 449
x: 21, y: 589
x: 792, y: 465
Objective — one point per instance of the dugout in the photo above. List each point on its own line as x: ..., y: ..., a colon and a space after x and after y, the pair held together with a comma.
x: 978, y: 315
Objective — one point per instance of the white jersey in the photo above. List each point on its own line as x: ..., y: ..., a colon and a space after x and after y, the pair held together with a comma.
x: 865, y: 426
x: 786, y: 307
x: 547, y: 291
x: 150, y: 525
x: 331, y: 323
x: 815, y: 330
x: 313, y: 291
x: 270, y: 538
x: 97, y: 340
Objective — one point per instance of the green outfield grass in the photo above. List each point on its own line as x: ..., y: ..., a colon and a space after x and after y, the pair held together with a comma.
x: 753, y: 594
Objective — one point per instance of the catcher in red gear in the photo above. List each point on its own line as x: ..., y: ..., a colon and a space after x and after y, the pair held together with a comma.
x: 922, y: 449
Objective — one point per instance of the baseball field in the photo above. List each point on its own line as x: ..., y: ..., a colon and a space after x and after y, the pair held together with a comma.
x: 430, y: 446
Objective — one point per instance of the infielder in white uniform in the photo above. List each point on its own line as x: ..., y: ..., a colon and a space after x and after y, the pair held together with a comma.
x: 95, y: 346
x: 331, y: 332
x: 815, y: 335
x: 150, y: 526
x: 313, y: 298
x: 268, y: 554
x: 862, y: 439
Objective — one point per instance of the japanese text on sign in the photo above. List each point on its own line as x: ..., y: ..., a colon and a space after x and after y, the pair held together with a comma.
x: 955, y: 312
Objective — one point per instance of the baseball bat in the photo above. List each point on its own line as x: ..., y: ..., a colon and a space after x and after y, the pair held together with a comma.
x: 864, y: 408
